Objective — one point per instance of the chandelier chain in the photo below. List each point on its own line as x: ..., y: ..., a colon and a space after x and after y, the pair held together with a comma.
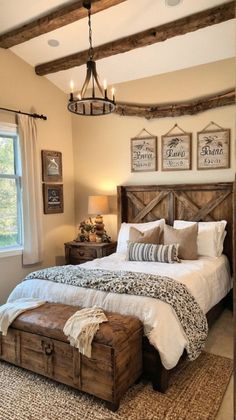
x: 90, y: 36
x: 96, y: 102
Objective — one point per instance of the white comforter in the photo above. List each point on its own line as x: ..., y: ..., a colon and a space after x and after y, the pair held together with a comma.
x: 208, y: 279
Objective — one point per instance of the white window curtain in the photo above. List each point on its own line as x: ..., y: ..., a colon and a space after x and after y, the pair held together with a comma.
x: 31, y: 191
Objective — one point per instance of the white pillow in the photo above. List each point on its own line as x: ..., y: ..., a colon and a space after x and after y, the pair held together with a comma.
x: 123, y: 235
x: 210, y: 239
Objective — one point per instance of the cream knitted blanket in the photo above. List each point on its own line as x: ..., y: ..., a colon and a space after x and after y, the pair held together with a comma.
x: 81, y: 327
x: 11, y: 310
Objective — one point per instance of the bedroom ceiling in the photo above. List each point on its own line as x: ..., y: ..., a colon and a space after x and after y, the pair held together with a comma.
x: 213, y: 43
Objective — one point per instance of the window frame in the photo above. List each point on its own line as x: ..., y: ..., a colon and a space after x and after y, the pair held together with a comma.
x: 10, y: 131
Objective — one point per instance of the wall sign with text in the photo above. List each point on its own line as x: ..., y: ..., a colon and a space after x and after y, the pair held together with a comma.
x: 213, y: 149
x: 144, y: 154
x: 176, y: 152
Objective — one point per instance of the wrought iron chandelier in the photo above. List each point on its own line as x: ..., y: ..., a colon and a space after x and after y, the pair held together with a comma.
x: 91, y: 105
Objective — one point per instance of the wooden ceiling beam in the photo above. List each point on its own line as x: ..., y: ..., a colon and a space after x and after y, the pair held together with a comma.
x: 177, y: 109
x: 151, y: 36
x: 54, y: 20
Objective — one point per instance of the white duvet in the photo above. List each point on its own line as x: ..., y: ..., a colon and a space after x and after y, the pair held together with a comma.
x: 208, y: 280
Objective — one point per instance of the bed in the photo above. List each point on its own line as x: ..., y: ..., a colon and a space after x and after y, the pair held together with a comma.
x: 141, y: 204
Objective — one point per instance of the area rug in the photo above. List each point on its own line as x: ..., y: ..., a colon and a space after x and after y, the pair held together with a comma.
x: 195, y: 392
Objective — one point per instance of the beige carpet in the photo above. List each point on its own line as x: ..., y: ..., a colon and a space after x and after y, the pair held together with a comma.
x: 196, y: 391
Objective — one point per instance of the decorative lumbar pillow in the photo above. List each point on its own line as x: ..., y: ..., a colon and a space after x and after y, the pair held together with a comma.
x: 210, y: 238
x: 151, y: 236
x: 186, y: 238
x: 151, y: 252
x: 123, y: 235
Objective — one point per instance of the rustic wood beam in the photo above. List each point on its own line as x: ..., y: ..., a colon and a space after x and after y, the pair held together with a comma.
x: 151, y: 36
x: 177, y: 109
x: 54, y: 20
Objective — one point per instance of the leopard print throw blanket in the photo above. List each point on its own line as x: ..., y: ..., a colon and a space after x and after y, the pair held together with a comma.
x: 170, y: 291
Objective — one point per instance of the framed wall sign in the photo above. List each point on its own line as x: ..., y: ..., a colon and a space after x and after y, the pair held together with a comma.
x: 176, y: 151
x: 144, y: 154
x: 213, y: 149
x: 51, y: 166
x: 53, y: 198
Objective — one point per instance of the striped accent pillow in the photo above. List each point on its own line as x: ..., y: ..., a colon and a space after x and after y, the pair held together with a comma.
x: 152, y: 252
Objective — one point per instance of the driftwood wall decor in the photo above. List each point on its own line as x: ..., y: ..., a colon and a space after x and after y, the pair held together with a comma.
x: 177, y: 109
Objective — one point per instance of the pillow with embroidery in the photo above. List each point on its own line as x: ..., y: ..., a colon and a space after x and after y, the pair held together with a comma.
x: 152, y: 252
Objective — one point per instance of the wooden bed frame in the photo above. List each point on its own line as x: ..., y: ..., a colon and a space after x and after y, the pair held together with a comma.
x: 193, y: 202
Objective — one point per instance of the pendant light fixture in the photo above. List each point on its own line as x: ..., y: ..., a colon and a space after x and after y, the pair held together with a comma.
x: 92, y: 104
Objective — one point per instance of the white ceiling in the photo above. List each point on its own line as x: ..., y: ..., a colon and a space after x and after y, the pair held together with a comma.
x: 203, y: 46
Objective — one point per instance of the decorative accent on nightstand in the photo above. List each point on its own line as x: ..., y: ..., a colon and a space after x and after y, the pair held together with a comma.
x: 80, y: 252
x: 98, y: 205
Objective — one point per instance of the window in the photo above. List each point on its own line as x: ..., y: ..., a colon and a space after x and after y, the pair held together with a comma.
x: 10, y: 189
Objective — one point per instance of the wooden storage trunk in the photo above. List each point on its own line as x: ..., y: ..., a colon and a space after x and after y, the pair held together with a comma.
x: 35, y: 341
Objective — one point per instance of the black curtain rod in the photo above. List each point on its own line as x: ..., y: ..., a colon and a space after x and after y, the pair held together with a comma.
x: 34, y: 115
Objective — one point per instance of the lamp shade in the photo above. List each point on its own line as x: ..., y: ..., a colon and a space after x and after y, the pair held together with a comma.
x: 98, y: 204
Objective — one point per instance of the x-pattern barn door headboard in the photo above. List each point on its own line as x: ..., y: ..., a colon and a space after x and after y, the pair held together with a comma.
x: 193, y: 202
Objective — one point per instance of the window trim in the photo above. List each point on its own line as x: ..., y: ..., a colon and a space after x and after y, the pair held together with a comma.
x: 10, y: 130
x: 10, y: 252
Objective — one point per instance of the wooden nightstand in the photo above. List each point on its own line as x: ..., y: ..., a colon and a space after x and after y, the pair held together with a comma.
x: 80, y: 252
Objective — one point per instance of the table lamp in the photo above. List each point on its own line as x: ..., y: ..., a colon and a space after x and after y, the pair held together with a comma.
x: 98, y: 205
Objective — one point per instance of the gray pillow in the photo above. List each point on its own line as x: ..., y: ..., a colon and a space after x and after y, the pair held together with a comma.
x: 151, y: 252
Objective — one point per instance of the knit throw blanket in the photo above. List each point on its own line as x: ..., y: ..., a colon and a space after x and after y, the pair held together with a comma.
x: 189, y: 313
x: 81, y: 327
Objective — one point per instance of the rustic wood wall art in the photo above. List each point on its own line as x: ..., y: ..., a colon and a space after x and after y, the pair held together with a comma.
x: 51, y: 166
x: 144, y: 153
x: 176, y: 150
x: 213, y: 148
x: 53, y: 198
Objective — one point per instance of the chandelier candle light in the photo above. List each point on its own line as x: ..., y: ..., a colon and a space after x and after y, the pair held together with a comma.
x: 91, y: 105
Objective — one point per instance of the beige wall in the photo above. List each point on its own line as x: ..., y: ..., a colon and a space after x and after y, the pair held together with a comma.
x: 102, y: 144
x: 21, y: 89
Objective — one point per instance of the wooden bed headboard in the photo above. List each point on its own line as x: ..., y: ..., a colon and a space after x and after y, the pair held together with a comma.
x: 193, y: 202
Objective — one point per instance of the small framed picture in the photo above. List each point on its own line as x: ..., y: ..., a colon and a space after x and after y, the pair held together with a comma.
x: 51, y: 166
x: 144, y: 154
x: 213, y: 149
x: 53, y: 198
x: 176, y: 152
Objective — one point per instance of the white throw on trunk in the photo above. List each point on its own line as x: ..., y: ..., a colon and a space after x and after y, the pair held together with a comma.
x: 11, y: 310
x: 81, y: 327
